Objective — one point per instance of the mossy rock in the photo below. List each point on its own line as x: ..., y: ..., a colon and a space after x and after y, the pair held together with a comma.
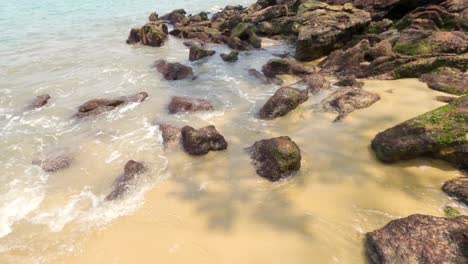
x: 421, y: 66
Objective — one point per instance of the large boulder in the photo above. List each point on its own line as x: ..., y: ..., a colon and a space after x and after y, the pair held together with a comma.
x: 284, y: 66
x: 197, y: 52
x: 323, y: 28
x: 282, y: 102
x: 123, y: 183
x: 457, y: 188
x: 419, y: 239
x: 275, y: 158
x: 181, y: 104
x: 39, y: 101
x: 346, y: 100
x: 243, y: 37
x: 447, y: 80
x: 203, y: 140
x: 173, y: 71
x: 440, y: 133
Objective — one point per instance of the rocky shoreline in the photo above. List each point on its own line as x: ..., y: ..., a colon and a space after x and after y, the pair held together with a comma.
x: 362, y: 39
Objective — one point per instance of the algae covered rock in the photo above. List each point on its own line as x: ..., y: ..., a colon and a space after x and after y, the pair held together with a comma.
x: 457, y: 188
x: 231, y: 57
x: 154, y: 34
x: 203, y: 140
x: 275, y: 158
x: 440, y: 133
x: 282, y: 102
x: 447, y: 80
x: 197, y: 52
x: 243, y: 37
x: 284, y: 66
x: 419, y: 239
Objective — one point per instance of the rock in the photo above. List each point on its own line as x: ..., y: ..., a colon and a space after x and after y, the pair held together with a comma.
x: 39, y: 101
x: 174, y: 16
x: 231, y: 57
x: 314, y: 82
x: 201, y: 31
x: 451, y: 212
x: 445, y: 99
x: 180, y: 104
x: 258, y: 75
x: 417, y: 42
x: 430, y: 17
x: 267, y: 14
x: 377, y: 27
x: 55, y: 162
x: 173, y: 71
x: 153, y: 34
x: 347, y: 100
x: 98, y: 106
x: 440, y: 133
x: 171, y: 134
x: 457, y: 188
x: 275, y: 158
x: 419, y: 239
x: 122, y: 183
x: 323, y: 28
x: 153, y: 17
x: 282, y: 102
x: 349, y: 81
x: 419, y: 66
x: 284, y: 66
x: 203, y: 140
x: 244, y: 38
x: 134, y: 36
x: 447, y: 80
x: 197, y: 52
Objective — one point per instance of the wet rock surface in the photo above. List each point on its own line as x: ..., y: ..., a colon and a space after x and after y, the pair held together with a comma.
x: 276, y: 67
x: 419, y: 239
x: 457, y: 188
x: 347, y: 100
x: 447, y: 80
x: 440, y: 133
x: 314, y: 82
x: 55, y: 162
x: 275, y: 158
x: 173, y: 71
x: 98, y: 106
x: 154, y: 33
x: 197, y: 53
x: 181, y: 104
x: 122, y: 184
x: 243, y: 37
x: 39, y: 101
x: 170, y: 134
x: 231, y: 57
x: 202, y: 141
x: 258, y: 75
x: 282, y: 102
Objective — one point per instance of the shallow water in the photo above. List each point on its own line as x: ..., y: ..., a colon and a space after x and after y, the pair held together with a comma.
x: 210, y: 209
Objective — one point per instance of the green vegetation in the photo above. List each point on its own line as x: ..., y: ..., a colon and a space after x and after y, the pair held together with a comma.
x: 451, y: 212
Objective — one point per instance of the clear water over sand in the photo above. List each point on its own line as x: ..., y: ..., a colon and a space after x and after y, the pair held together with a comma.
x: 210, y: 209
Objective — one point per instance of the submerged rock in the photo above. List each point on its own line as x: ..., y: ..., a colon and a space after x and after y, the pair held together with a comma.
x: 173, y: 71
x: 284, y: 66
x: 55, y: 162
x: 197, y: 52
x: 323, y: 28
x: 314, y: 82
x: 440, y: 133
x: 347, y: 100
x: 98, y: 106
x: 447, y: 80
x: 282, y: 102
x: 203, y: 140
x: 258, y: 75
x: 419, y: 239
x: 349, y: 81
x: 457, y: 188
x: 231, y: 57
x: 122, y: 184
x: 39, y: 101
x: 181, y: 104
x: 134, y: 36
x: 445, y: 99
x: 451, y: 212
x: 243, y: 37
x: 171, y: 134
x: 275, y: 158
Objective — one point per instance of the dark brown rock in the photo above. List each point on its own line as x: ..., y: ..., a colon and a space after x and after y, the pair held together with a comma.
x: 447, y: 80
x: 267, y: 14
x: 181, y: 104
x: 231, y: 57
x: 284, y: 66
x: 55, y: 162
x: 445, y: 99
x: 457, y: 188
x: 275, y: 158
x: 134, y: 36
x: 171, y: 134
x: 282, y: 102
x: 39, y: 101
x: 347, y: 100
x: 197, y: 52
x: 349, y: 81
x: 243, y: 37
x: 123, y: 183
x: 174, y: 16
x: 97, y: 106
x: 419, y: 239
x: 203, y: 140
x: 173, y: 71
x: 440, y: 133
